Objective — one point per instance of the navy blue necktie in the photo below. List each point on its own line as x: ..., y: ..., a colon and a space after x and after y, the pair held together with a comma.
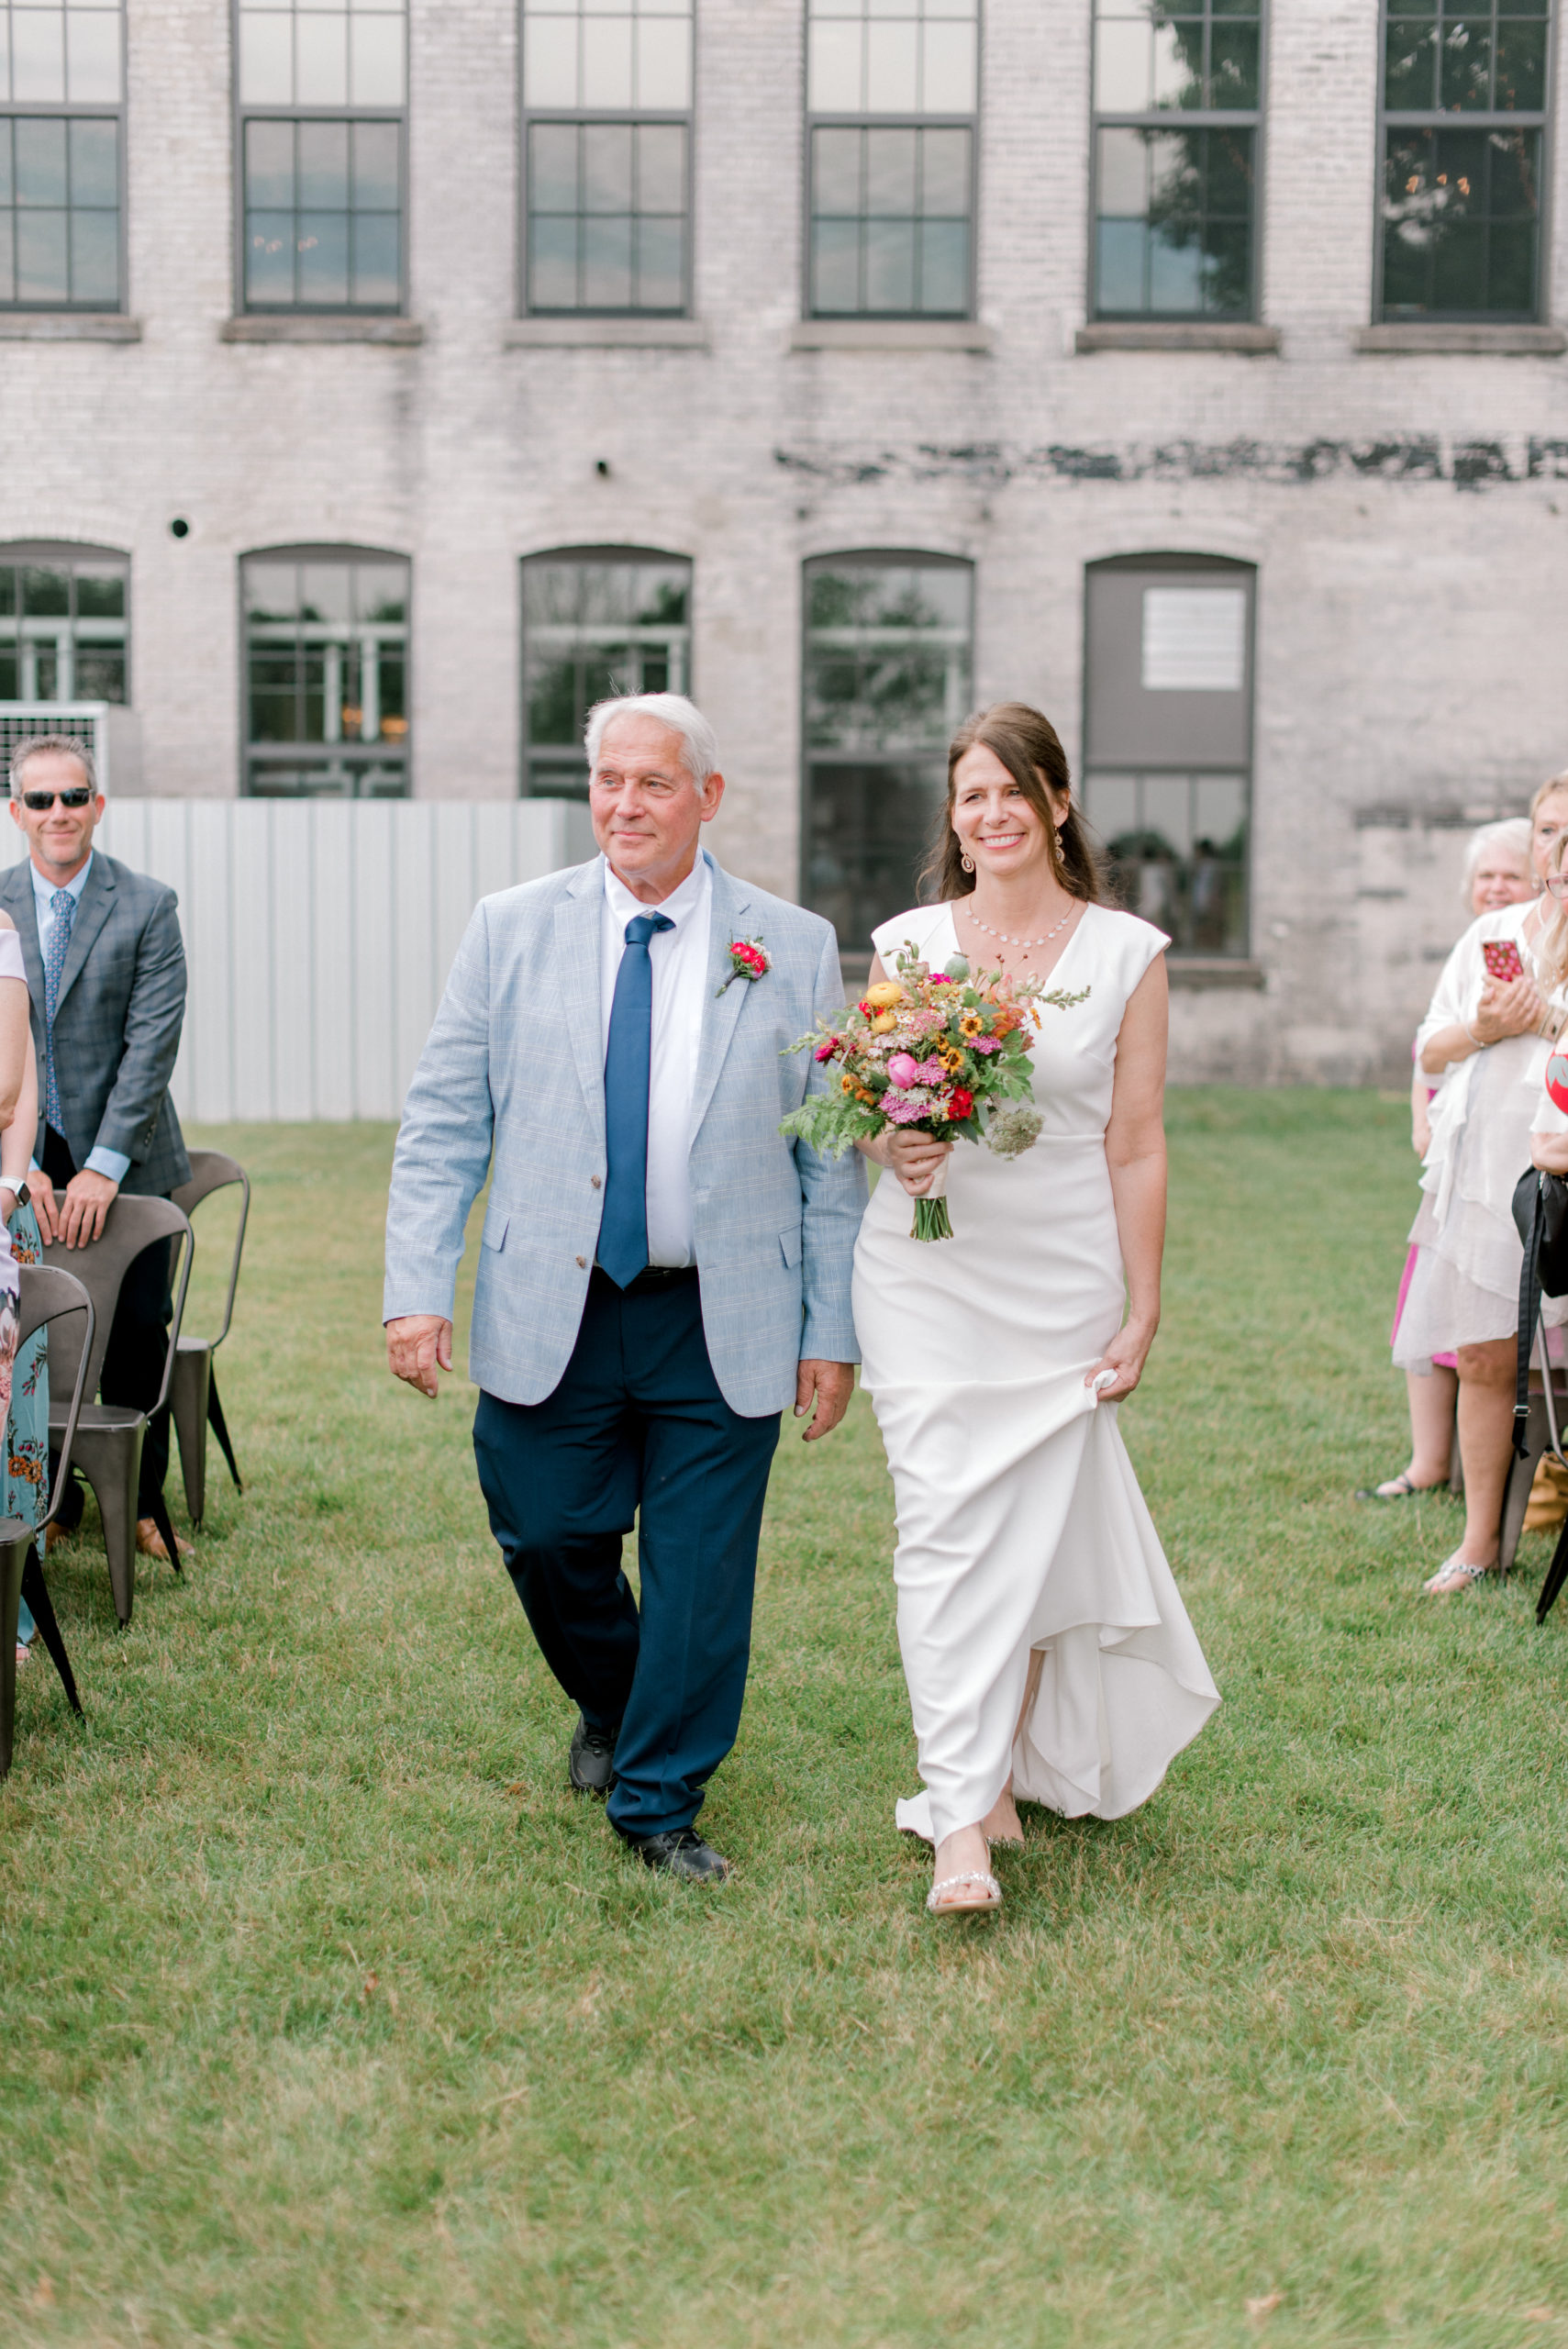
x: 623, y: 1232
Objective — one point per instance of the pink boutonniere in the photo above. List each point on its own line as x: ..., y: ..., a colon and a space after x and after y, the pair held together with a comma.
x: 748, y: 960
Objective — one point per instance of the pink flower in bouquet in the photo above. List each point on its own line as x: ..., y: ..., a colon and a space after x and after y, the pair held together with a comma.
x: 983, y: 1044
x: 907, y: 1111
x: 931, y: 1072
x: 903, y: 1070
x: 826, y: 1052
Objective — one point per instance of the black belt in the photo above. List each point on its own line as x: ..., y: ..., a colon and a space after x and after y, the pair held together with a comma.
x: 654, y: 1277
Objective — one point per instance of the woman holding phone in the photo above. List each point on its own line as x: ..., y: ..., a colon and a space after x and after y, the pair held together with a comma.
x: 1481, y: 1042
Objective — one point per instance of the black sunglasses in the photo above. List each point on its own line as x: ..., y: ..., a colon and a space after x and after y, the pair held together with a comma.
x: 81, y: 797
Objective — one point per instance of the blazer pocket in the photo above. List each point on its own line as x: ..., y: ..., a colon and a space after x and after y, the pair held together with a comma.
x: 495, y: 1232
x: 790, y: 1242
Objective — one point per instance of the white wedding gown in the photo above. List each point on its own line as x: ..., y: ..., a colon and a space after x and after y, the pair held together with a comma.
x: 1021, y: 1523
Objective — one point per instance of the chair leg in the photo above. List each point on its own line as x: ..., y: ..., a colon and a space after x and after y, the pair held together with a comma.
x: 35, y: 1590
x: 220, y: 1429
x: 189, y: 1406
x: 161, y: 1520
x: 12, y: 1554
x: 1515, y: 1492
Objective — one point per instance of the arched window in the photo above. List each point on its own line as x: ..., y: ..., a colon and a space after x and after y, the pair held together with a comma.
x: 1168, y: 740
x: 326, y: 672
x: 887, y: 667
x: 64, y: 623
x: 597, y: 621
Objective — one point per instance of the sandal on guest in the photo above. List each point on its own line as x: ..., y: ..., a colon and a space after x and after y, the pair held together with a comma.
x: 1455, y: 1574
x: 1394, y: 1488
x: 964, y: 1908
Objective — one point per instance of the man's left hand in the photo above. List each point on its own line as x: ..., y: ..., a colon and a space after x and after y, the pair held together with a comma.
x: 88, y: 1199
x: 833, y: 1384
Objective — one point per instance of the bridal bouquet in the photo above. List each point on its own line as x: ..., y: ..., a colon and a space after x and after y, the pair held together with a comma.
x: 941, y: 1051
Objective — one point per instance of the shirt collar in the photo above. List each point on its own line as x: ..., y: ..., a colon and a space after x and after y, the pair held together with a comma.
x: 44, y: 891
x: 676, y: 907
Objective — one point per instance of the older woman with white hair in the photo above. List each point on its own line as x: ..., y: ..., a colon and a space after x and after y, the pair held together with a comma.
x: 1482, y: 1041
x: 1497, y: 872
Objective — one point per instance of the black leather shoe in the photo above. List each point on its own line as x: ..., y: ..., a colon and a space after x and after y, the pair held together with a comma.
x: 591, y: 1764
x: 680, y: 1852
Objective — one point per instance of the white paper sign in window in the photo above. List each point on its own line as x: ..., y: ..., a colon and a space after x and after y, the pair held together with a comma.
x: 1194, y: 639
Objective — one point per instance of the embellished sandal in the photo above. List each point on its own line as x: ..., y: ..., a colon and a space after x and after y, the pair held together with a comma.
x: 1397, y: 1488
x: 939, y: 1907
x: 1456, y: 1565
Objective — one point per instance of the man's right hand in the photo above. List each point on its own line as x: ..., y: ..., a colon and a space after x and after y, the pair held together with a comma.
x: 417, y: 1345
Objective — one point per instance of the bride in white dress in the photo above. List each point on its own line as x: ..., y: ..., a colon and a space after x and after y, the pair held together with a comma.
x: 1046, y: 1647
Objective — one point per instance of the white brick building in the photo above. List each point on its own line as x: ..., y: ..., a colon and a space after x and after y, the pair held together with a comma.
x: 1363, y: 412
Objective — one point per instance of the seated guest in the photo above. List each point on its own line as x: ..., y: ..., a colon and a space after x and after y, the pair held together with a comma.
x: 106, y: 968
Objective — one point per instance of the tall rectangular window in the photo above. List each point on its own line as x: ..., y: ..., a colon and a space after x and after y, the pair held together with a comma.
x: 63, y: 623
x: 61, y: 151
x: 1178, y: 89
x: 322, y: 140
x: 326, y: 674
x: 1168, y: 740
x: 597, y: 621
x: 608, y: 135
x: 1464, y: 98
x: 886, y: 675
x: 891, y: 98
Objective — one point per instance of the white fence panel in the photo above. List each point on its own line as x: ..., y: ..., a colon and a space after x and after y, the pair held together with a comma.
x: 319, y: 934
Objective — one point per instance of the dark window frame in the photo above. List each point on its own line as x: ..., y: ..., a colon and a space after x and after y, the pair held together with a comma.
x: 1394, y: 119
x: 64, y: 554
x: 1184, y: 566
x: 579, y: 117
x: 1176, y: 118
x: 814, y: 121
x: 359, y: 755
x: 94, y: 110
x: 893, y: 558
x: 244, y: 112
x: 598, y: 553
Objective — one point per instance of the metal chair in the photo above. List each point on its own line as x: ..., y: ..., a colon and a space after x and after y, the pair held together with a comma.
x: 1547, y: 1412
x: 109, y: 1435
x: 46, y: 1294
x: 193, y: 1396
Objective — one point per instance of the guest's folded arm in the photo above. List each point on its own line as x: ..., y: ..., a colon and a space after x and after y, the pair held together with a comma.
x: 1549, y: 1152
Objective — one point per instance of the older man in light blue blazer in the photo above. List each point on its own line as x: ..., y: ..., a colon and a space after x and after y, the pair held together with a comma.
x: 661, y: 1272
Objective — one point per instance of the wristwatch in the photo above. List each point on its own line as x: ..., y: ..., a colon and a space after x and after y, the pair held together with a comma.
x: 19, y: 1191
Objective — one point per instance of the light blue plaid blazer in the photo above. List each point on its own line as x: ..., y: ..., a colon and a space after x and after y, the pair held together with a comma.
x: 512, y: 1080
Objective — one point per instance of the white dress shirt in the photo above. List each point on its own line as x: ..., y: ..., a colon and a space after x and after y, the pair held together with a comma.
x: 99, y: 1160
x: 679, y: 959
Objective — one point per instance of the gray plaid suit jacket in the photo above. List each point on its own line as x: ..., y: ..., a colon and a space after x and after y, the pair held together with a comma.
x: 117, y: 1028
x: 512, y: 1080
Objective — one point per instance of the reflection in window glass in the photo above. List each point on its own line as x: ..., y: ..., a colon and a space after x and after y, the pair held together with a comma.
x: 62, y: 625
x: 601, y: 622
x: 1177, y: 846
x: 60, y: 172
x: 886, y: 675
x: 327, y: 671
x: 1175, y: 209
x: 606, y: 198
x: 1464, y: 98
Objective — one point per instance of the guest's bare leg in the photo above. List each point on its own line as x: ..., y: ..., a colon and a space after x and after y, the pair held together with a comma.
x: 1487, y: 1376
x: 1431, y: 1425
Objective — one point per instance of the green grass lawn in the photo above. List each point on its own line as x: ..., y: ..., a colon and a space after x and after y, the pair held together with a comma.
x: 332, y: 2018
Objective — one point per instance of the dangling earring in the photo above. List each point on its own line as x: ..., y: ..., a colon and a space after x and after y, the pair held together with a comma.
x: 966, y: 860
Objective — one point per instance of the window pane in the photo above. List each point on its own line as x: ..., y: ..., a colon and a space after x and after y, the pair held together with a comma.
x: 94, y: 256
x: 6, y: 196
x: 377, y: 242
x: 268, y: 163
x: 1121, y: 254
x: 324, y: 164
x: 100, y: 592
x: 662, y: 168
x: 836, y: 171
x: 835, y: 266
x: 890, y: 264
x: 1465, y: 66
x: 380, y: 591
x: 552, y: 263
x: 1233, y: 66
x: 944, y: 172
x: 46, y: 592
x: 326, y: 592
x: 890, y: 172
x: 323, y: 248
x: 1521, y: 68
x: 553, y: 167
x: 42, y: 274
x: 375, y: 61
x: 270, y: 590
x: 37, y: 55
x: 1410, y: 62
x: 1178, y: 64
x: 606, y: 264
x: 944, y: 266
x: 321, y: 60
x: 607, y: 61
x: 664, y: 62
x: 892, y: 63
x: 94, y: 164
x: 266, y: 60
x: 375, y: 167
x: 1123, y: 80
x: 93, y: 55
x: 550, y: 60
x: 660, y: 264
x: 948, y: 76
x: 269, y: 257
x: 41, y: 162
x: 1123, y: 173
x: 835, y: 54
x: 607, y: 167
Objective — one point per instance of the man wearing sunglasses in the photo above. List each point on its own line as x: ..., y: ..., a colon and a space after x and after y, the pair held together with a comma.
x: 106, y: 973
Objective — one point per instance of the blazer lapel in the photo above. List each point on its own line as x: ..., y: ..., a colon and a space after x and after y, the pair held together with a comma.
x: 97, y: 900
x: 578, y: 942
x: 16, y: 897
x: 720, y: 1013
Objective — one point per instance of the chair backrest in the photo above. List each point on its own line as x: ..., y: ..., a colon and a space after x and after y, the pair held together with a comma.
x: 47, y: 1292
x: 214, y: 1170
x: 131, y: 1225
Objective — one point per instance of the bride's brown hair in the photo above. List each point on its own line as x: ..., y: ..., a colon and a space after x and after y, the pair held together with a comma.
x: 1030, y: 749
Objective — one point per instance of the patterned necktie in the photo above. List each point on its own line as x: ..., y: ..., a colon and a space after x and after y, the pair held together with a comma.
x: 623, y: 1230
x: 63, y: 905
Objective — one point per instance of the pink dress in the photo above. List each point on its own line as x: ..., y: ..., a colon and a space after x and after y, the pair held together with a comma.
x: 1439, y: 1361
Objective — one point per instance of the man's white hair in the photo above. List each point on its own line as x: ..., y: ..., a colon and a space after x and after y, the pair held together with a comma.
x: 699, y: 753
x: 1510, y: 834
